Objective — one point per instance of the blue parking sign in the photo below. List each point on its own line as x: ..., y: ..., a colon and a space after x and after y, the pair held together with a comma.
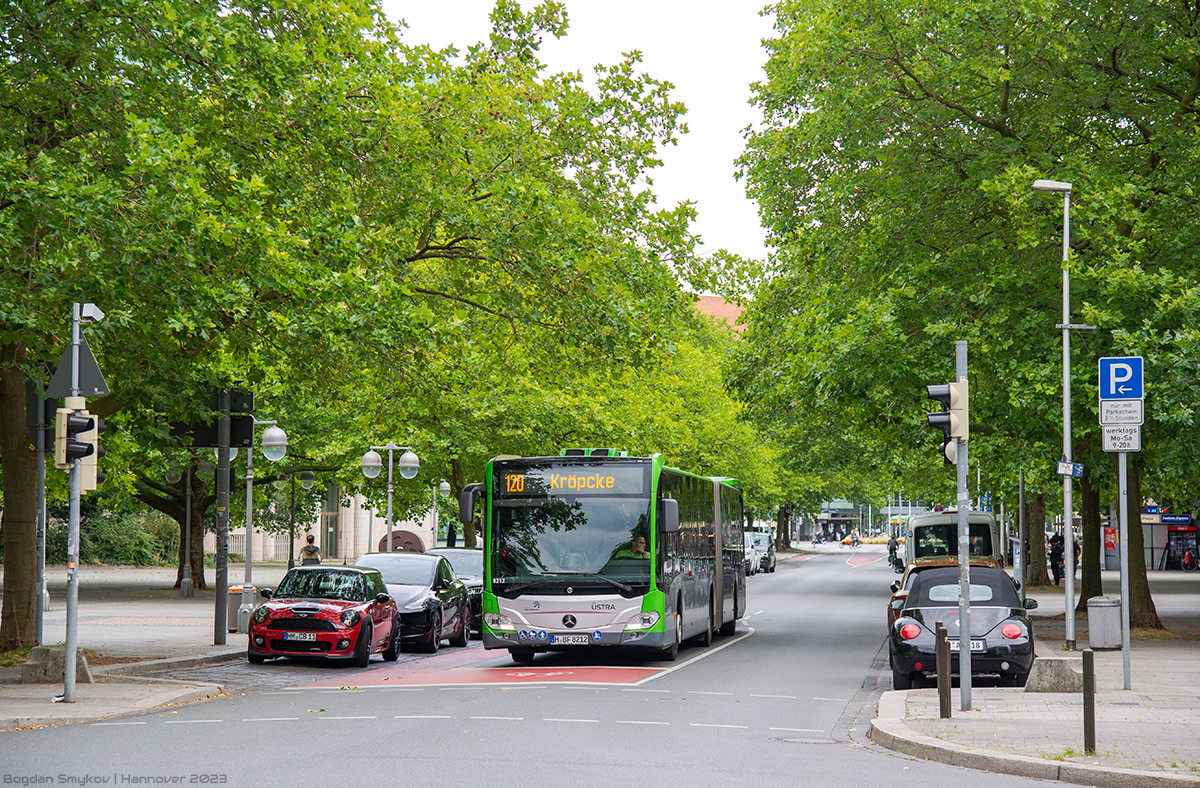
x: 1121, y: 377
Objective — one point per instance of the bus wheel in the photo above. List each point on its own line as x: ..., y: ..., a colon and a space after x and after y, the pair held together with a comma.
x: 671, y: 652
x: 521, y: 655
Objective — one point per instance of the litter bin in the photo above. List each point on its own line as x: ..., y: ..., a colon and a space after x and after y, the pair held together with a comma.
x: 233, y: 601
x: 1104, y: 622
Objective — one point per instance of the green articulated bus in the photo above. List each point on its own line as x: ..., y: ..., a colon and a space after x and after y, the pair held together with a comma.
x: 596, y: 548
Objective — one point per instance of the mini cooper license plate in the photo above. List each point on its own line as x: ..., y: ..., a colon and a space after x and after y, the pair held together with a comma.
x: 299, y: 635
x: 976, y: 645
x: 570, y: 640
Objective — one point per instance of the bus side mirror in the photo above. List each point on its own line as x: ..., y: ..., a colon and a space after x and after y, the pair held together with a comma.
x: 466, y: 503
x: 668, y: 515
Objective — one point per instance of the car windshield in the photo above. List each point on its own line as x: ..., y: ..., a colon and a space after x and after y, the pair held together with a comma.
x: 404, y: 569
x: 465, y: 563
x: 942, y: 540
x: 939, y: 588
x: 323, y: 584
x: 762, y: 541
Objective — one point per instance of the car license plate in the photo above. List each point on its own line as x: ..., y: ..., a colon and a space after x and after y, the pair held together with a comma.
x: 976, y: 645
x: 570, y: 640
x: 299, y: 635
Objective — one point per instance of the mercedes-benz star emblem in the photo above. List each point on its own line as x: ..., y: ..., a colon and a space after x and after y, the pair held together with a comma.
x: 569, y: 621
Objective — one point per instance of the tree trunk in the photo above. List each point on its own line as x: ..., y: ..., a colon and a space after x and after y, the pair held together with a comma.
x: 1141, y: 605
x: 1035, y: 524
x: 18, y: 619
x: 1089, y: 553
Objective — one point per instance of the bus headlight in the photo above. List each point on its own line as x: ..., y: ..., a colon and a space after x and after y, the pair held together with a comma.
x: 499, y: 623
x: 641, y: 622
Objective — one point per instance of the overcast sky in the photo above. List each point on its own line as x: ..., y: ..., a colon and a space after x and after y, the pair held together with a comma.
x: 709, y: 49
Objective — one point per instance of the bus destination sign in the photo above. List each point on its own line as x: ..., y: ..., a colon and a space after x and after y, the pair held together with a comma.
x: 558, y: 480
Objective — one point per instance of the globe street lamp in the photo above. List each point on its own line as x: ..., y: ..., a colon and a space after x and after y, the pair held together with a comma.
x: 274, y: 447
x: 1059, y: 187
x: 372, y: 464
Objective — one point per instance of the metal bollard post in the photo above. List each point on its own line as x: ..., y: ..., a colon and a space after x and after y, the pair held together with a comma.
x: 1089, y: 702
x: 943, y: 672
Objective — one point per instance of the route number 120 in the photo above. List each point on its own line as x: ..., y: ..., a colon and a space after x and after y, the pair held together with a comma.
x: 514, y: 483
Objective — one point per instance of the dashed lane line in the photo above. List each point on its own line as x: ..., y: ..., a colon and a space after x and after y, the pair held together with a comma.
x: 270, y: 719
x: 641, y: 722
x: 516, y: 719
x: 561, y: 719
x: 702, y: 692
x: 422, y: 717
x: 713, y: 725
x: 188, y: 722
x: 781, y: 697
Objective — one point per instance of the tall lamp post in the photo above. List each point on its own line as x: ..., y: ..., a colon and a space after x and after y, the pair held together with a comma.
x: 372, y: 464
x: 1059, y: 187
x: 307, y: 480
x: 274, y: 446
x: 443, y: 490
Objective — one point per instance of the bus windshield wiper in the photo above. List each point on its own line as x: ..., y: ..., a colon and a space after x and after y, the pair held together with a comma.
x: 626, y: 589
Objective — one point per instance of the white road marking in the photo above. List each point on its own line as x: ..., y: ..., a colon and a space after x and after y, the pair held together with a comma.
x: 713, y: 725
x: 636, y: 689
x: 401, y: 689
x: 498, y: 718
x: 593, y: 689
x: 269, y: 719
x: 188, y: 722
x: 422, y: 717
x: 836, y: 700
x: 341, y: 691
x: 706, y: 653
x: 559, y: 719
x: 700, y: 692
x: 799, y: 730
x: 640, y: 722
x: 118, y: 723
x: 758, y: 612
x: 785, y: 697
x: 348, y: 718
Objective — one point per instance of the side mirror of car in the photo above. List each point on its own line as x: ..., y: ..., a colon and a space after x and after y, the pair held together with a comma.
x: 382, y: 598
x: 897, y: 604
x: 895, y: 586
x: 265, y: 593
x: 1031, y: 604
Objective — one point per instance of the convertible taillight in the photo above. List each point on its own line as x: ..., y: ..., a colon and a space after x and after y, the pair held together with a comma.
x: 1011, y: 631
x: 909, y: 631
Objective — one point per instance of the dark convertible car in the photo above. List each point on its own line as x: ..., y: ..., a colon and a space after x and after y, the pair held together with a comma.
x: 1001, y: 638
x: 433, y: 602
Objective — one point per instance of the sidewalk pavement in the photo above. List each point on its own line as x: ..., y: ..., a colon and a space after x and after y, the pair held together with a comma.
x: 1149, y: 735
x: 137, y: 624
x: 1146, y: 736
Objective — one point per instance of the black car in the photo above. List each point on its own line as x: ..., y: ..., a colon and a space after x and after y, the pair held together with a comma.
x: 467, y: 563
x: 1001, y: 639
x: 432, y: 601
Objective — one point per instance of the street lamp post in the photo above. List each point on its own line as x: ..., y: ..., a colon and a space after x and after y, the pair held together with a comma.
x: 307, y: 480
x: 274, y: 446
x: 1059, y: 187
x: 372, y: 463
x: 442, y: 489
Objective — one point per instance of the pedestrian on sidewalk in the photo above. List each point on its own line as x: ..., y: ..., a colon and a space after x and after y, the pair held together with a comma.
x: 310, y: 553
x: 1056, y: 558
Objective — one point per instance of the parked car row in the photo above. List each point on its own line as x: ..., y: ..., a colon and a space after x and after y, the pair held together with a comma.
x: 382, y: 604
x: 760, y: 552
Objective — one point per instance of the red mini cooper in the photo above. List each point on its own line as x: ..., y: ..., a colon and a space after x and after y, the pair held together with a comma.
x: 341, y: 612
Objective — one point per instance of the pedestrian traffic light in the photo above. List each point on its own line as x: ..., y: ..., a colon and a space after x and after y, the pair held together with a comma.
x: 953, y: 421
x: 90, y: 473
x: 68, y: 443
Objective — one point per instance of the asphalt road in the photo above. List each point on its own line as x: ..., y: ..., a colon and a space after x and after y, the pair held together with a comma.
x: 784, y: 701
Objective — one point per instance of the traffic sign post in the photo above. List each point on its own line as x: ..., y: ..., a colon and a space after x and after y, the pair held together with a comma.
x: 1122, y: 413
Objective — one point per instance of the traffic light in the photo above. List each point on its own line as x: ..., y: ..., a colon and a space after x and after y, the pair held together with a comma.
x: 953, y: 420
x: 69, y: 445
x: 90, y: 474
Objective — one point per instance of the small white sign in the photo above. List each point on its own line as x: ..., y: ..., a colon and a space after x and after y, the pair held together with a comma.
x: 1121, y: 411
x: 1120, y: 438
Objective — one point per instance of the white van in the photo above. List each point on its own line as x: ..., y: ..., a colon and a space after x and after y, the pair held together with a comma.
x: 935, y: 535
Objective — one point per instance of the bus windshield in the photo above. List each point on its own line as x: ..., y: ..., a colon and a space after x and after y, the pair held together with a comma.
x: 586, y: 527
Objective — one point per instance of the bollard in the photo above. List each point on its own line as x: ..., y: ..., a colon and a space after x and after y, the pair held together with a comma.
x: 1089, y: 702
x: 943, y: 672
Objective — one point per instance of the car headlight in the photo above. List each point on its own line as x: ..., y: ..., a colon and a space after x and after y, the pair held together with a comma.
x: 350, y: 618
x: 260, y: 614
x: 499, y: 623
x: 641, y: 622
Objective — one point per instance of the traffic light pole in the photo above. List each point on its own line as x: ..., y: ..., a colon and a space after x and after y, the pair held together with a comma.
x: 73, y: 402
x: 964, y: 545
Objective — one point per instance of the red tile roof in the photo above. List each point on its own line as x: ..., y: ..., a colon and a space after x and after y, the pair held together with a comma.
x: 715, y: 306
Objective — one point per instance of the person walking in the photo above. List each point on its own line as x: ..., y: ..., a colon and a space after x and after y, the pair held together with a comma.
x: 1056, y: 558
x: 310, y: 553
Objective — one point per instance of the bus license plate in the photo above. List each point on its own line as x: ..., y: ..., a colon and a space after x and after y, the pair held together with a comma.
x: 570, y: 640
x: 976, y: 645
x: 299, y: 635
